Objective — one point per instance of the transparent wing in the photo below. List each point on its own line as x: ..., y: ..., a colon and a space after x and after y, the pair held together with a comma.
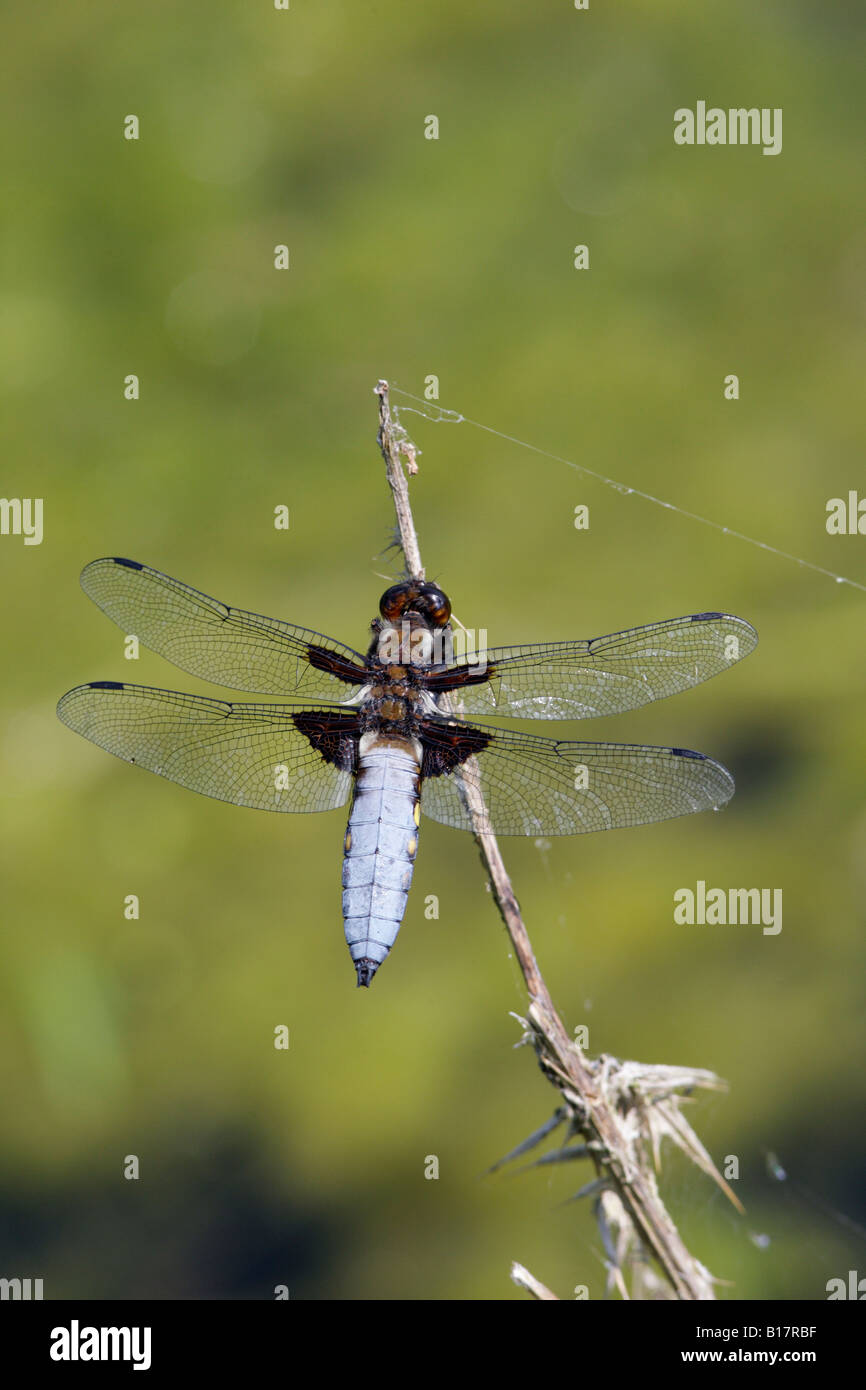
x: 605, y: 675
x: 540, y: 786
x: 225, y: 645
x: 271, y: 757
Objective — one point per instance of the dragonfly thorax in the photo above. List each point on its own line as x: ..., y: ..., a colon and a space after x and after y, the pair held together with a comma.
x: 412, y: 642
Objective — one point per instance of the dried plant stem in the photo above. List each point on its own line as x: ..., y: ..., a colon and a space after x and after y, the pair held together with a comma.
x: 525, y: 1280
x: 602, y: 1100
x: 390, y: 447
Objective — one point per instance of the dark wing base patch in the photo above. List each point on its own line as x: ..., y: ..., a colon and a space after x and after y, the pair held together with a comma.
x: 333, y: 736
x: 321, y: 659
x: 447, y: 744
x: 457, y: 677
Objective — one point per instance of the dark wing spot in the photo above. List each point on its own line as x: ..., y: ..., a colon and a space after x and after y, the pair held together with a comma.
x: 324, y: 660
x: 457, y: 678
x: 705, y: 617
x: 334, y: 736
x: 687, y: 753
x: 105, y: 685
x: 130, y: 564
x: 447, y: 745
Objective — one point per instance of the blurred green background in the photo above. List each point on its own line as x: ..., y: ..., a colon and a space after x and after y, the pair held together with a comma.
x: 412, y: 257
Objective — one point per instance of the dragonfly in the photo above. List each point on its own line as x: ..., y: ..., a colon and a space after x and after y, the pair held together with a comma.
x: 388, y: 729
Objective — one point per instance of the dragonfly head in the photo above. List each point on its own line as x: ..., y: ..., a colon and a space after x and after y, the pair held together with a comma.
x: 413, y: 629
x: 416, y: 596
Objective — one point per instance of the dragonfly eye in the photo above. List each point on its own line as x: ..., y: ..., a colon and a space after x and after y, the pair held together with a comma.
x: 395, y: 600
x: 416, y: 596
x: 434, y: 604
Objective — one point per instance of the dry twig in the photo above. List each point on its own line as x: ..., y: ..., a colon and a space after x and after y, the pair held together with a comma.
x: 622, y: 1110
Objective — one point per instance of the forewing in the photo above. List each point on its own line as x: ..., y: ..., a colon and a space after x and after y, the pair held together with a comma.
x: 605, y: 675
x: 273, y: 757
x: 539, y: 786
x: 225, y: 645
